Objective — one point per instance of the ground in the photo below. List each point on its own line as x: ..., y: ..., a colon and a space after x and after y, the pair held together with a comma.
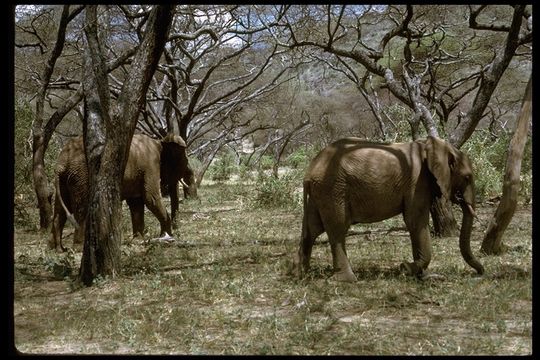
x: 224, y: 287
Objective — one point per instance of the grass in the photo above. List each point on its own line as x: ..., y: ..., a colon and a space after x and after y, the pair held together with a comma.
x: 224, y: 288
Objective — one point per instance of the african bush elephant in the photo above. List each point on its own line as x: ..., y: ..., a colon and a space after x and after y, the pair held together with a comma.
x: 354, y: 181
x: 152, y: 165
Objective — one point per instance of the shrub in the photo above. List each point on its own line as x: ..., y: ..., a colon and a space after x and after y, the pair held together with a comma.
x: 266, y: 162
x: 489, y: 161
x: 23, y: 189
x: 223, y: 167
x: 272, y: 192
x: 300, y: 158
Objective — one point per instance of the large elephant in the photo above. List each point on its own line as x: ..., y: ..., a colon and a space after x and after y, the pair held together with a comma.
x: 355, y: 181
x: 152, y: 165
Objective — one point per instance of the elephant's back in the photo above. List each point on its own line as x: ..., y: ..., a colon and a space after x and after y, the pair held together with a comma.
x: 143, y: 148
x: 71, y: 157
x: 333, y: 158
x: 143, y: 163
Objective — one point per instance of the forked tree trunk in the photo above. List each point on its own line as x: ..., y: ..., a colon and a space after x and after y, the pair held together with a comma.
x: 492, y: 243
x: 39, y: 137
x: 107, y: 137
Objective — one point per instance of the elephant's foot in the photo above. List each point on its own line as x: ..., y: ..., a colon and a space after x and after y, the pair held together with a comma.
x: 412, y: 269
x: 344, y: 276
x: 51, y: 244
x: 164, y: 237
x: 60, y: 249
x: 427, y: 276
x: 298, y: 269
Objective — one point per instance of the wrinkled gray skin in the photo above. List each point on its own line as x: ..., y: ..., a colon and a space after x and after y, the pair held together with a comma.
x: 152, y: 165
x: 354, y: 181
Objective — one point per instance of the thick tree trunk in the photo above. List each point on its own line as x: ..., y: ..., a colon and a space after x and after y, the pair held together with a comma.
x: 492, y: 243
x: 444, y: 222
x: 107, y: 138
x: 101, y: 252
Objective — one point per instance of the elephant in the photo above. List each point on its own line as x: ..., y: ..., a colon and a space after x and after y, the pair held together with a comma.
x: 152, y: 165
x: 355, y: 181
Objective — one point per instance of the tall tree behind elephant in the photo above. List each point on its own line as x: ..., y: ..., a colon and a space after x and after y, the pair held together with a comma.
x: 151, y: 164
x: 354, y: 181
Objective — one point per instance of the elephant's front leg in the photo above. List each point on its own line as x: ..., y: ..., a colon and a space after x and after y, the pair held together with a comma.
x: 136, y: 209
x: 156, y: 206
x: 173, y: 193
x: 421, y: 244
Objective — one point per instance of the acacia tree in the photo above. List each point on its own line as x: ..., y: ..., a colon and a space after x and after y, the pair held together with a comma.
x: 41, y: 135
x: 209, y: 77
x: 107, y: 134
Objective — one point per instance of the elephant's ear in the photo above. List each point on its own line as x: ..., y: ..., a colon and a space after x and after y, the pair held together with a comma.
x: 171, y: 138
x: 440, y: 161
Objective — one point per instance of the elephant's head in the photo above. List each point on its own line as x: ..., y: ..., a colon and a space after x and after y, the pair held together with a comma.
x: 453, y: 172
x: 175, y: 166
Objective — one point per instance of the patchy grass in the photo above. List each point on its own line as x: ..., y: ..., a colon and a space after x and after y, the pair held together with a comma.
x: 224, y: 288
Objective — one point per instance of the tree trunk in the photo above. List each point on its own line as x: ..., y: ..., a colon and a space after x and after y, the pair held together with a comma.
x: 492, y: 243
x: 41, y: 183
x: 489, y: 82
x: 444, y: 222
x: 39, y: 142
x: 107, y: 137
x: 101, y: 251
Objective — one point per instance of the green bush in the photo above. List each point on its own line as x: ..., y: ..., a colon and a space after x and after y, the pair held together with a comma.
x: 23, y: 189
x: 489, y: 162
x: 266, y: 162
x: 283, y: 192
x: 223, y: 167
x: 301, y: 157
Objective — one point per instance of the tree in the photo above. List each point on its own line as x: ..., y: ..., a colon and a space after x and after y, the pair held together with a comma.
x: 41, y: 136
x: 107, y: 134
x: 492, y: 243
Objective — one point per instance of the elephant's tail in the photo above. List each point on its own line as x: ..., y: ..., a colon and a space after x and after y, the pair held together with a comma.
x: 69, y: 215
x: 311, y: 222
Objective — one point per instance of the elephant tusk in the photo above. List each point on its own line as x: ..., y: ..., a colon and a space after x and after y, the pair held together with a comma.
x: 184, y: 183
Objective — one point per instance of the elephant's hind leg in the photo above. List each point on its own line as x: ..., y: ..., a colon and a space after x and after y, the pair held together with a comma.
x: 336, y: 223
x: 311, y: 229
x: 58, y: 223
x: 342, y: 266
x: 136, y: 209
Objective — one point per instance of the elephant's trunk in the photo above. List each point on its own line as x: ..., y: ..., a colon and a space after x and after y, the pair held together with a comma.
x: 465, y: 238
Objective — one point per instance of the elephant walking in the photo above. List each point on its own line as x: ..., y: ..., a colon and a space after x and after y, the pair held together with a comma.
x: 151, y: 165
x: 354, y: 181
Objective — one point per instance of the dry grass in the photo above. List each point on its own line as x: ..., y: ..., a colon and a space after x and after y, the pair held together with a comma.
x: 223, y: 288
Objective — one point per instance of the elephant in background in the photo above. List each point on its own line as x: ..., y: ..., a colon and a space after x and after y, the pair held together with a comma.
x: 355, y: 181
x: 152, y: 164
